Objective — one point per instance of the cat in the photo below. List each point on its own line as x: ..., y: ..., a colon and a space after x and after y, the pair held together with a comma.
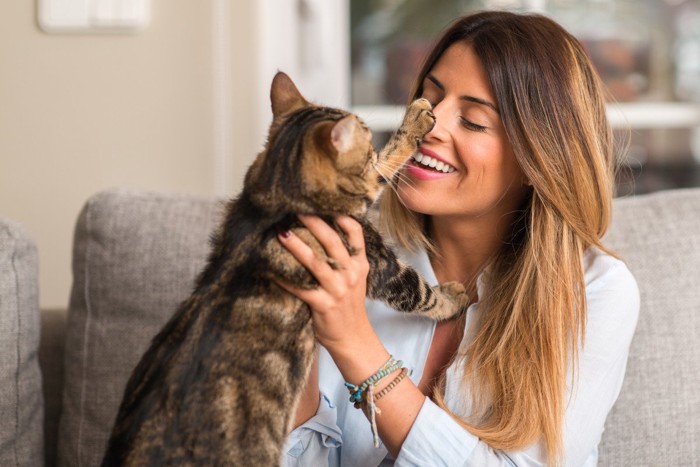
x: 220, y: 382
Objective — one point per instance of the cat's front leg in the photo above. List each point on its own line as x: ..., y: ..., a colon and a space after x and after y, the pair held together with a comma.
x: 402, y: 288
x: 417, y: 122
x: 455, y: 301
x: 410, y: 293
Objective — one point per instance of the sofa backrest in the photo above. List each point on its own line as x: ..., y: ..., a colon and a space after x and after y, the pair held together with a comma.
x: 136, y: 255
x: 655, y: 421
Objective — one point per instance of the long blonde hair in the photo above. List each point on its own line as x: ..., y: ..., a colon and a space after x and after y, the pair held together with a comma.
x: 534, y: 314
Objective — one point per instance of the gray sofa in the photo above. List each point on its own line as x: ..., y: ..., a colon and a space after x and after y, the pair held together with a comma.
x: 136, y: 254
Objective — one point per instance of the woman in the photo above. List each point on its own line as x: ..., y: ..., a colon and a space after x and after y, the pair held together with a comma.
x: 529, y: 373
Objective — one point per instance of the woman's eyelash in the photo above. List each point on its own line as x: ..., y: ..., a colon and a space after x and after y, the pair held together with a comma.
x: 472, y: 126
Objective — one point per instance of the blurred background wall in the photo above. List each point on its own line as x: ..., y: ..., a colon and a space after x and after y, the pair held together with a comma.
x: 81, y: 112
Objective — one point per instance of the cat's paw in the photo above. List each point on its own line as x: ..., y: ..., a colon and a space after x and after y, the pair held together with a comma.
x: 419, y: 118
x: 457, y: 300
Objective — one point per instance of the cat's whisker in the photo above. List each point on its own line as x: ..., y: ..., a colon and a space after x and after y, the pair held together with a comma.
x: 392, y: 182
x: 397, y: 176
x: 384, y: 167
x: 380, y: 168
x: 406, y: 185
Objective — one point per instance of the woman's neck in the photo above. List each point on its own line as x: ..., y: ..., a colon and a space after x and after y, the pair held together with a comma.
x: 464, y: 248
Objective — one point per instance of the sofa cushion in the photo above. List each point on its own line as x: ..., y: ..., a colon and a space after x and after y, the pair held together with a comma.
x: 135, y: 257
x: 655, y: 420
x: 21, y: 401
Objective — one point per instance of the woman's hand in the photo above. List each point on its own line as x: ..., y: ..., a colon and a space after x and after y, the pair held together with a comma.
x: 338, y: 304
x: 341, y: 322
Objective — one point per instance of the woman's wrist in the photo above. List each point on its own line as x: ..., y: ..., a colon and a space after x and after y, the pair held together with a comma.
x: 359, y: 357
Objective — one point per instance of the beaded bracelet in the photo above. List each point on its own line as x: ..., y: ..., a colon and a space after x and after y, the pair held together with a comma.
x: 367, y: 389
x: 392, y: 385
x: 356, y: 391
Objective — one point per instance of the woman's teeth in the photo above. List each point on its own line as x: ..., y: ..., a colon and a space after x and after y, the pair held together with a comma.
x: 433, y: 163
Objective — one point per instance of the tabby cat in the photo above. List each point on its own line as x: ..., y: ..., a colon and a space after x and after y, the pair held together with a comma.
x: 220, y: 383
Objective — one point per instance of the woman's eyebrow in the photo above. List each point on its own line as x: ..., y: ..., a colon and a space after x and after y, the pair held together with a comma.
x: 435, y: 81
x: 474, y: 99
x: 481, y: 101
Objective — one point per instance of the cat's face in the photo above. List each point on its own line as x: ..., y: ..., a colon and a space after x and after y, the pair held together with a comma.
x: 317, y: 159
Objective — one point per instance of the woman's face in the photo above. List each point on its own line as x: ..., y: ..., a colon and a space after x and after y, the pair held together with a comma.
x: 471, y: 168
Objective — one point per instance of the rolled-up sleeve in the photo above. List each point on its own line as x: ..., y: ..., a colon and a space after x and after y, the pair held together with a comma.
x: 311, y: 443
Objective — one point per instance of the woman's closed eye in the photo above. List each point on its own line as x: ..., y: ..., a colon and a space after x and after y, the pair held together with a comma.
x: 468, y: 124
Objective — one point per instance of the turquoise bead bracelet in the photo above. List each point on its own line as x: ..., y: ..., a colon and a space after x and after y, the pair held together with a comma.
x: 356, y: 391
x: 365, y: 393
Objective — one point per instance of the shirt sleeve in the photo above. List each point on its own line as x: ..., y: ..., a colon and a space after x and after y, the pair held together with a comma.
x: 312, y: 442
x: 613, y: 309
x: 436, y: 439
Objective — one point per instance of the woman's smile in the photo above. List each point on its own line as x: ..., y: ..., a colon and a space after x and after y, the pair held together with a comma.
x: 426, y: 165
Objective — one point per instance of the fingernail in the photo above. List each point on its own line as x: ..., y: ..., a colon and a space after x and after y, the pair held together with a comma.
x: 282, y: 232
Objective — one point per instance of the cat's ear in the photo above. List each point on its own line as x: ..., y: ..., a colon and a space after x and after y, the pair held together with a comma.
x: 284, y: 95
x: 345, y: 133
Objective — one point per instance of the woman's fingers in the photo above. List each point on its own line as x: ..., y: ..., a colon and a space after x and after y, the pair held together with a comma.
x: 327, y: 237
x: 304, y: 253
x: 337, y: 261
x: 331, y: 241
x: 310, y: 296
x: 353, y: 232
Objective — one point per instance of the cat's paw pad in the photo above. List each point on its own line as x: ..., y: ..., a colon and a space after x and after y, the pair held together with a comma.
x: 419, y: 119
x: 457, y: 294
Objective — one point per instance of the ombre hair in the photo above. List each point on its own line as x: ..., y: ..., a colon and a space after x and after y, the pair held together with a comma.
x: 533, y: 317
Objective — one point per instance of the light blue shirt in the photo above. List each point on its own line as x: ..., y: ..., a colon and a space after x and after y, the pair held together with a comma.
x: 339, y: 434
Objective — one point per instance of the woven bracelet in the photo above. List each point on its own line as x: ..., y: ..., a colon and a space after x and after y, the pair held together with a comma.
x: 356, y: 392
x: 364, y: 393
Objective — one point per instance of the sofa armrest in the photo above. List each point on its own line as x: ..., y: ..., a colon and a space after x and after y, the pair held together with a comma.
x: 21, y: 404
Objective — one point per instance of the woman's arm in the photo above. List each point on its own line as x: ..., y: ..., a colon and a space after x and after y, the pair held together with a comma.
x: 342, y: 325
x: 310, y: 398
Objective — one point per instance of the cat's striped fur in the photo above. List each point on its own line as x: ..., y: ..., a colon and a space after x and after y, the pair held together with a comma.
x: 220, y: 383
